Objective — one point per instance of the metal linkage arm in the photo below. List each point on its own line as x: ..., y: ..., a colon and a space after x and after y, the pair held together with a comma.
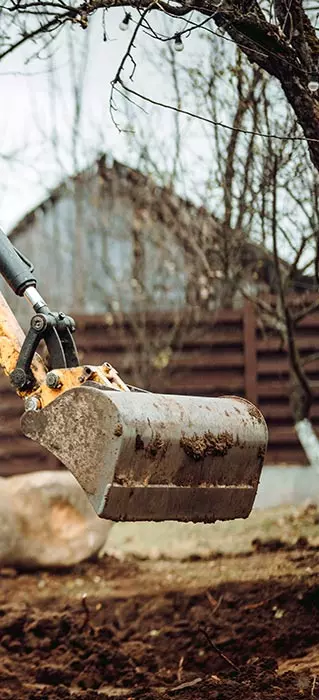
x: 55, y: 329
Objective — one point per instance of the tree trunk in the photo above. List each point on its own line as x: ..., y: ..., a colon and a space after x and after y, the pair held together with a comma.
x: 300, y: 403
x: 306, y: 108
x: 309, y: 441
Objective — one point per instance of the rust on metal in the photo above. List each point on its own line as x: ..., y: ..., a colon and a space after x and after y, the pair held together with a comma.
x: 72, y: 377
x: 255, y: 413
x: 199, y: 446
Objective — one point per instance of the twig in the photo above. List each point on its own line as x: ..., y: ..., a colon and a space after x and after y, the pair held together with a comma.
x: 180, y: 669
x: 188, y: 684
x: 218, y: 651
x: 214, y: 605
x: 312, y: 694
x: 200, y: 117
x: 253, y: 606
x: 307, y: 311
x: 128, y: 54
x: 86, y: 609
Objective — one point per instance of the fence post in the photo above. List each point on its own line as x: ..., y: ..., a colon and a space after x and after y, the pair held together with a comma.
x: 250, y: 352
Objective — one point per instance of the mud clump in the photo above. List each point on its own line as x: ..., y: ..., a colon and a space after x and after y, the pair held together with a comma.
x: 154, y: 446
x: 157, y: 443
x: 199, y: 446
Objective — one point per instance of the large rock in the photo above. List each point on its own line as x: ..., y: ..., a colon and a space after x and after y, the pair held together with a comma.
x: 47, y: 521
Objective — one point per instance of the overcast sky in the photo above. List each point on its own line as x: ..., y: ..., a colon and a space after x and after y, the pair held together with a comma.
x: 37, y: 108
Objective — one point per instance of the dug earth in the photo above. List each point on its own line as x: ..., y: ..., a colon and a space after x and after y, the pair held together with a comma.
x: 236, y: 621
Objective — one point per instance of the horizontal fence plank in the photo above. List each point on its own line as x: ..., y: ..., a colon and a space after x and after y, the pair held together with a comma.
x: 206, y: 381
x: 19, y: 447
x: 278, y: 412
x: 118, y: 343
x: 277, y: 388
x: 23, y: 465
x: 309, y: 343
x: 10, y: 410
x: 284, y: 434
x: 280, y: 366
x: 285, y: 454
x: 158, y: 318
x: 189, y: 359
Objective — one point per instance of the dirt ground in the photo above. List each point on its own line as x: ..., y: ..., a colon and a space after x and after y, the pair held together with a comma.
x: 228, y: 622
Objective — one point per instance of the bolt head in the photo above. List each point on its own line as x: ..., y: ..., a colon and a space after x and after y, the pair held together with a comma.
x: 18, y: 378
x: 53, y: 380
x: 32, y: 403
x: 38, y: 322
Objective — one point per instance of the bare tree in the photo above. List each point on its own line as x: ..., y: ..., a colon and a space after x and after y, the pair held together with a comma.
x: 284, y: 312
x: 228, y: 172
x: 280, y: 37
x: 266, y: 197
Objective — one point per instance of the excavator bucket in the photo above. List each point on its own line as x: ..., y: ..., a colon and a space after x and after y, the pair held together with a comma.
x: 137, y: 455
x: 145, y: 456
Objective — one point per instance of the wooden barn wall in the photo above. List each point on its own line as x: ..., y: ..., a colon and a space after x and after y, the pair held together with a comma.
x: 229, y: 354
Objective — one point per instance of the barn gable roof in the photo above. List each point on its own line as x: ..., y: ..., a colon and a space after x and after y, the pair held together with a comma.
x: 161, y: 204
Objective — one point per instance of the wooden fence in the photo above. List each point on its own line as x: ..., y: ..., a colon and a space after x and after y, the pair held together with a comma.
x: 229, y: 354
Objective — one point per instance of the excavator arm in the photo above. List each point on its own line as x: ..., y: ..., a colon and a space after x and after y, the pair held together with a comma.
x: 137, y: 455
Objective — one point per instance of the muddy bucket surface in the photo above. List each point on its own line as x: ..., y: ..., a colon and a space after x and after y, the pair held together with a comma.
x: 145, y: 456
